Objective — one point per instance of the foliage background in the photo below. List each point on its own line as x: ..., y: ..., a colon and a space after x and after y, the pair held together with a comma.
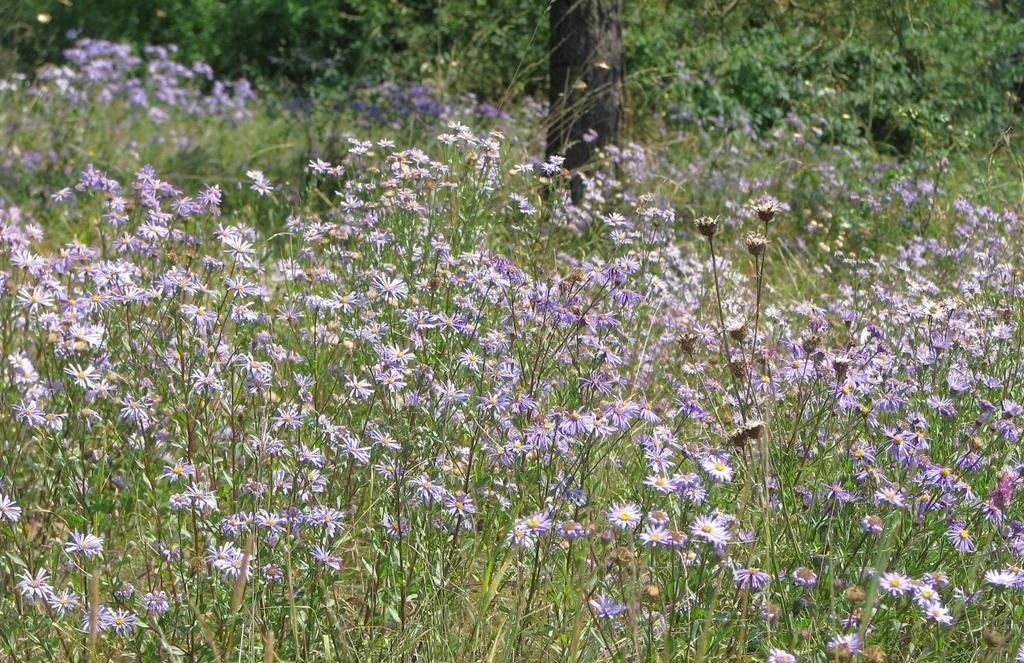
x: 900, y: 75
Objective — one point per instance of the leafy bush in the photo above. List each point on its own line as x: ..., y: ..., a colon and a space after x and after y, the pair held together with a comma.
x: 904, y: 78
x: 302, y: 41
x: 943, y: 73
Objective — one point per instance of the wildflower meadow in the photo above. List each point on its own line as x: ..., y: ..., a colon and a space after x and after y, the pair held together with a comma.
x: 360, y: 380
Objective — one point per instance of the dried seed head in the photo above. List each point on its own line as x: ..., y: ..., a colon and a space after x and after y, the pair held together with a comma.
x: 750, y: 431
x: 810, y: 342
x: 756, y: 243
x: 855, y: 593
x: 993, y: 637
x: 737, y: 329
x: 766, y: 207
x: 707, y: 225
x: 841, y: 366
x: 873, y: 654
x: 754, y: 429
x: 738, y: 367
x: 688, y: 341
x: 651, y: 593
x: 621, y: 555
x: 737, y: 436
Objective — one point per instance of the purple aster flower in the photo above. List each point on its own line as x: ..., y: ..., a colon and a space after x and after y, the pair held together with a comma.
x: 925, y: 595
x: 8, y: 509
x: 657, y: 517
x: 717, y: 468
x: 959, y: 536
x: 272, y: 573
x: 103, y: 614
x: 394, y: 526
x: 570, y: 529
x: 122, y: 621
x: 654, y: 536
x: 63, y: 601
x: 751, y: 577
x: 862, y: 453
x: 125, y: 591
x: 606, y: 607
x: 780, y: 656
x: 660, y: 483
x: 624, y: 516
x: 1003, y: 577
x: 35, y: 586
x: 181, y: 469
x: 536, y: 524
x: 85, y: 544
x: 711, y: 529
x: 805, y: 577
x: 326, y: 558
x: 845, y: 644
x: 937, y: 613
x: 892, y: 495
x: 156, y: 601
x: 521, y: 536
x: 895, y: 584
x: 959, y: 378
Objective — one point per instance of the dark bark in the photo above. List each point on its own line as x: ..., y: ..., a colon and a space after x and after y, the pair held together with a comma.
x: 586, y: 87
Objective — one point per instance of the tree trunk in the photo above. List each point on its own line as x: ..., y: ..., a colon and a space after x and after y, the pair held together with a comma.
x: 586, y: 90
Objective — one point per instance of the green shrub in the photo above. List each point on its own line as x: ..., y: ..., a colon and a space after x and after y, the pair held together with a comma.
x: 902, y: 77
